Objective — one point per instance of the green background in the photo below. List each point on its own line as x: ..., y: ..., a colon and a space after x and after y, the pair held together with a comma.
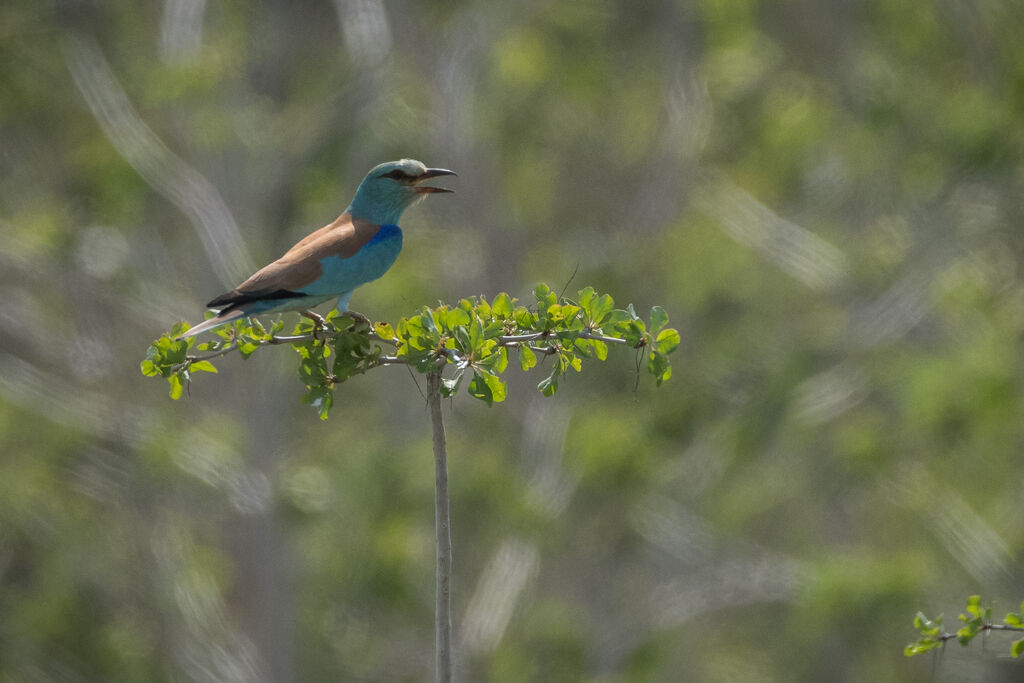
x: 825, y: 197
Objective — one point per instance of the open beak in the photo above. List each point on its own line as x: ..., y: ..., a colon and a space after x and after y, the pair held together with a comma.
x: 428, y: 174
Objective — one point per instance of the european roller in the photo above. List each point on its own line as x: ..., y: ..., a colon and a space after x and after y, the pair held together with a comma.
x: 357, y: 247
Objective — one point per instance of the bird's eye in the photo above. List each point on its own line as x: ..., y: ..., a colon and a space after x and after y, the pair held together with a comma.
x: 395, y: 175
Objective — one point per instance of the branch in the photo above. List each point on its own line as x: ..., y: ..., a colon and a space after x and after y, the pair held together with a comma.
x: 473, y: 336
x: 978, y: 619
x: 442, y: 536
x: 513, y: 339
x: 233, y: 346
x: 604, y: 338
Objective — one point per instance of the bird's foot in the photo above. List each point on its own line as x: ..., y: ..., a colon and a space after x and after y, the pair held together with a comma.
x: 319, y: 324
x: 359, y: 318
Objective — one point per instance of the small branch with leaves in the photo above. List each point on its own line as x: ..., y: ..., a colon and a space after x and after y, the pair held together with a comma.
x: 472, y: 339
x: 976, y: 620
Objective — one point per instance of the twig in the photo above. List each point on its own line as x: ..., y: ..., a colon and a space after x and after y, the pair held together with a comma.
x: 289, y: 339
x: 442, y: 532
x: 192, y: 359
x: 545, y: 350
x: 567, y: 282
x: 509, y: 339
x: 946, y: 635
x: 600, y: 337
x: 513, y: 339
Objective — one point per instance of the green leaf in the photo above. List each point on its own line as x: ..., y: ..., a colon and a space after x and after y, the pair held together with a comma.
x: 600, y: 349
x: 479, y: 388
x: 476, y: 334
x: 600, y: 308
x: 462, y: 337
x: 415, y: 335
x: 667, y: 341
x: 450, y: 386
x: 493, y: 329
x: 927, y: 626
x: 321, y: 398
x: 451, y: 319
x: 659, y: 318
x: 202, y: 366
x: 1014, y: 619
x: 616, y: 316
x: 247, y: 347
x: 659, y: 366
x: 632, y: 331
x: 384, y: 330
x: 545, y: 298
x: 585, y: 297
x: 496, y: 386
x: 1017, y: 648
x: 429, y: 323
x: 181, y: 327
x: 919, y: 621
x: 527, y: 358
x: 920, y: 647
x: 501, y: 360
x: 483, y: 309
x: 525, y: 320
x: 177, y: 386
x: 549, y: 385
x: 559, y: 313
x: 149, y: 368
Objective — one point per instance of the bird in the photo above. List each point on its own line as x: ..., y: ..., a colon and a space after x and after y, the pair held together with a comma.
x: 357, y: 247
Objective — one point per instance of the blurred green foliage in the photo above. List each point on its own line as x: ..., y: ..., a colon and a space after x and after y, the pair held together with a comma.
x: 824, y: 197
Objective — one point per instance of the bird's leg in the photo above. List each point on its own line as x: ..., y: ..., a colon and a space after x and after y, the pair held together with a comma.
x: 319, y: 324
x: 358, y: 318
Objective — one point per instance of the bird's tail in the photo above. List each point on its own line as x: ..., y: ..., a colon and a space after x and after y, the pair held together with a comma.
x: 225, y: 316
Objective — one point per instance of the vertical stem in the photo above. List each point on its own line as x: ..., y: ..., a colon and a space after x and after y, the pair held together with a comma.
x: 442, y: 532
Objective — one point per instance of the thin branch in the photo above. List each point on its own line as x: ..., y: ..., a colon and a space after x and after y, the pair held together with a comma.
x: 946, y: 635
x: 600, y: 337
x: 567, y: 282
x: 543, y: 350
x: 513, y: 339
x: 233, y: 346
x: 442, y: 532
x: 289, y: 339
x: 510, y: 339
x: 192, y: 359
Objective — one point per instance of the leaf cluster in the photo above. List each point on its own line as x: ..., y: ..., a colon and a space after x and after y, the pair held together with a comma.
x: 976, y: 619
x: 474, y: 338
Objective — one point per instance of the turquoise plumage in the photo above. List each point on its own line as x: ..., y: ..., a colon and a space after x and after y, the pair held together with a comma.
x: 357, y: 247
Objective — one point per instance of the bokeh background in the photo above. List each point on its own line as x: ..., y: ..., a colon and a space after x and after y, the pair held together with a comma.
x: 824, y: 195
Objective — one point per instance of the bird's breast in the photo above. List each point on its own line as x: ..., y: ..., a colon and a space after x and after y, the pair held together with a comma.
x: 369, y: 263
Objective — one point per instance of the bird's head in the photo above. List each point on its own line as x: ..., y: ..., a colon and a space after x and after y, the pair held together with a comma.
x: 391, y: 188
